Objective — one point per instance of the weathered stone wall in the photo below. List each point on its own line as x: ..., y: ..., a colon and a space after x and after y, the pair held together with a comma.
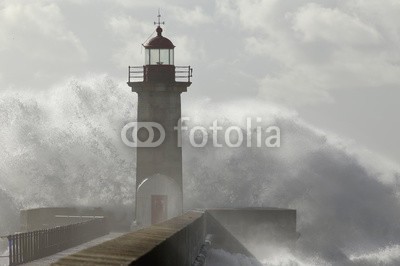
x: 260, y: 230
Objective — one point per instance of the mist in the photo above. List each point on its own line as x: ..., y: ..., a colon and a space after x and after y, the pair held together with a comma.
x: 346, y: 198
x: 62, y: 147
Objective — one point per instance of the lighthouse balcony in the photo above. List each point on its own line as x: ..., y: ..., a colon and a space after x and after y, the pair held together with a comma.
x: 160, y: 73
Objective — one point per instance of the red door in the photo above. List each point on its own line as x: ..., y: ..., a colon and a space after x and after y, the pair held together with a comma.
x: 158, y: 208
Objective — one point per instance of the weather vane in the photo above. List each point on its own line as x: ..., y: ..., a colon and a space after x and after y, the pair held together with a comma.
x: 159, y: 19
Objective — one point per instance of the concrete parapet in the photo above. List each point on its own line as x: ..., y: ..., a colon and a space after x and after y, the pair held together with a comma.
x: 45, y: 218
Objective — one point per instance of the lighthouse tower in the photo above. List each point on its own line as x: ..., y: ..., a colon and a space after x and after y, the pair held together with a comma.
x: 159, y: 84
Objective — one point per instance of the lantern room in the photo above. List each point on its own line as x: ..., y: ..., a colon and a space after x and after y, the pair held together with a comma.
x: 159, y: 64
x: 159, y: 59
x: 159, y: 50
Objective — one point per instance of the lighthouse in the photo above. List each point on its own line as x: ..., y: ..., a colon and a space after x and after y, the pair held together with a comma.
x: 159, y: 85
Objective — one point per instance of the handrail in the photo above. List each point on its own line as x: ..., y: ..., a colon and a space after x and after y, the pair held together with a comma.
x: 29, y: 246
x: 184, y: 72
x: 136, y: 73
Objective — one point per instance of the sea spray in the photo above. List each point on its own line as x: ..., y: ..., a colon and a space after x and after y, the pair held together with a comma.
x: 63, y: 148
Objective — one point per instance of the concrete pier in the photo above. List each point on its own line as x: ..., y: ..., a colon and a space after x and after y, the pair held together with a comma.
x: 180, y: 240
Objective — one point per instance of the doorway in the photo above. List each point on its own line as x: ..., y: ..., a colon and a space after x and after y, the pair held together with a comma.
x: 159, y: 209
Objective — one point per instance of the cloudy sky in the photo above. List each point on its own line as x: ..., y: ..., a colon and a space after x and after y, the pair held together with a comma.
x: 334, y: 62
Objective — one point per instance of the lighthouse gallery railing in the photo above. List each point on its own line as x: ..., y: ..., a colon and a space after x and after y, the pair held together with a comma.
x: 182, y: 73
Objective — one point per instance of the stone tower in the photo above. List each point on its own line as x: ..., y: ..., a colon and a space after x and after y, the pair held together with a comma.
x: 159, y: 84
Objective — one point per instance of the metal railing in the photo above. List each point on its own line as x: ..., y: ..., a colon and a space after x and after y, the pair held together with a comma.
x: 136, y: 73
x: 182, y: 73
x: 29, y: 246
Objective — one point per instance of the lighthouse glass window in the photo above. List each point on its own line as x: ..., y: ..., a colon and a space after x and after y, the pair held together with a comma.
x: 159, y: 57
x: 164, y: 56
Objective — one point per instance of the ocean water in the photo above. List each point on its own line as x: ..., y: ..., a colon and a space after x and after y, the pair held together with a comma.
x: 63, y: 147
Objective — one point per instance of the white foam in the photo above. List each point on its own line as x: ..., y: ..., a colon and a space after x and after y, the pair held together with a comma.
x: 63, y: 148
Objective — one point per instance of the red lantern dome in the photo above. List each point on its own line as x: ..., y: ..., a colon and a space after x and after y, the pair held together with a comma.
x: 159, y: 42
